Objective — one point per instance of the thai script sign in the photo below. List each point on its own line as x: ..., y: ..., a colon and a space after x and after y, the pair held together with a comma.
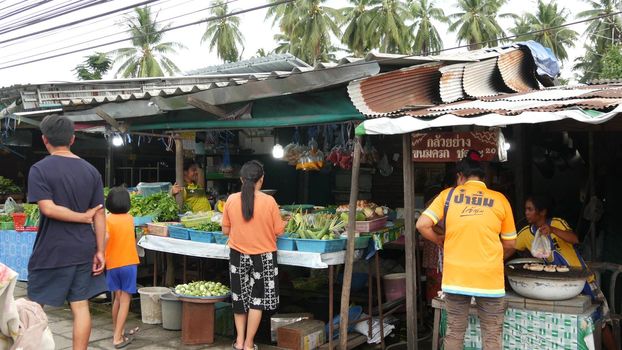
x: 453, y: 146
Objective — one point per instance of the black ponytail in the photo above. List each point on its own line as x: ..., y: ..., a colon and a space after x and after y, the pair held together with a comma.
x: 251, y: 173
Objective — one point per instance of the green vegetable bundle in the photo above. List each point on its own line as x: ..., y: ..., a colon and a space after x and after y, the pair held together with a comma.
x: 315, y: 226
x: 209, y: 227
x: 161, y: 205
x: 7, y: 186
x: 202, y: 289
x: 6, y: 218
x: 32, y: 214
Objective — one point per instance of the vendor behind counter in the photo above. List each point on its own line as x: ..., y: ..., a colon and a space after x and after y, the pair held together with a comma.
x: 194, y: 195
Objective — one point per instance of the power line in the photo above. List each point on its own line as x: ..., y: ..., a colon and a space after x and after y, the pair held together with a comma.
x: 215, y: 18
x: 111, y: 35
x: 45, y: 14
x: 76, y: 22
x: 53, y: 32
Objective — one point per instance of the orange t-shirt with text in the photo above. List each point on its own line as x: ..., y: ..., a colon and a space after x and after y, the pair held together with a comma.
x: 477, y: 220
x: 121, y: 244
x: 258, y: 235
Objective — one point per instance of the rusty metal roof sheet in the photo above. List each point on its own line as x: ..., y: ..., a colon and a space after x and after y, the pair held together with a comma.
x: 391, y: 92
x: 483, y: 79
x: 518, y: 70
x: 450, y: 85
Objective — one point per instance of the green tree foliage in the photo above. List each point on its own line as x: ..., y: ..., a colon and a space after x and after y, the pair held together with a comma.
x: 306, y: 29
x: 605, y: 31
x: 612, y: 64
x: 146, y: 57
x: 387, y: 29
x: 94, y: 67
x: 224, y: 34
x: 357, y: 20
x: 476, y: 22
x: 547, y: 24
x: 426, y: 37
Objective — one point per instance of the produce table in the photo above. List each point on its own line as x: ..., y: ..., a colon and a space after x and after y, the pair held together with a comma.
x: 531, y: 324
x: 15, y: 250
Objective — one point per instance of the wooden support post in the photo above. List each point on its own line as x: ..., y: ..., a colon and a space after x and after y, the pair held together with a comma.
x: 411, y: 242
x: 109, y: 165
x: 347, y: 273
x: 179, y: 179
x: 592, y: 190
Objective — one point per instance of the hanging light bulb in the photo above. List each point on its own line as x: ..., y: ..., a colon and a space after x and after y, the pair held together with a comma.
x: 507, y: 146
x: 277, y: 151
x: 117, y: 140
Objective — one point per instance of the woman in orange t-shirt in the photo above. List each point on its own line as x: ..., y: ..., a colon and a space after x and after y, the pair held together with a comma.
x: 253, y: 221
x: 121, y: 261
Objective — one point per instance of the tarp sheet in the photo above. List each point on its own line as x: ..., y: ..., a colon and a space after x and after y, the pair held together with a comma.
x: 407, y: 124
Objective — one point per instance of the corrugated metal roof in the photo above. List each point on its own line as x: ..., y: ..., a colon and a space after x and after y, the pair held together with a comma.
x: 390, y: 92
x: 450, y: 84
x: 550, y: 100
x: 517, y: 70
x: 483, y: 79
x: 270, y: 63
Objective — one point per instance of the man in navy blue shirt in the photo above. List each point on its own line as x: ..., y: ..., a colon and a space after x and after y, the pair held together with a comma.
x: 67, y: 261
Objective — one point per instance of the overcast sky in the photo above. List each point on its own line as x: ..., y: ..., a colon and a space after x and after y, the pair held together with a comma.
x: 257, y: 31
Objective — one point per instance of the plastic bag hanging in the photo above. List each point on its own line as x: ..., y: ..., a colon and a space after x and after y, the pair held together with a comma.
x: 541, y: 246
x: 226, y: 158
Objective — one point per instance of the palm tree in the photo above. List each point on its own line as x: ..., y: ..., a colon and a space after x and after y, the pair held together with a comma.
x: 224, y: 34
x: 476, y: 22
x: 426, y: 37
x: 548, y: 21
x: 356, y: 19
x: 282, y: 13
x: 605, y: 31
x: 521, y: 28
x: 590, y: 65
x: 147, y: 56
x: 94, y: 66
x: 387, y: 29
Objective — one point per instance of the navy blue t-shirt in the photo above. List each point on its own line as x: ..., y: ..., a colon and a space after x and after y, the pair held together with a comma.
x: 72, y: 183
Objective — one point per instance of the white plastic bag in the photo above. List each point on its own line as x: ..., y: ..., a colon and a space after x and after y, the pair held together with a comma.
x: 541, y: 246
x: 10, y: 206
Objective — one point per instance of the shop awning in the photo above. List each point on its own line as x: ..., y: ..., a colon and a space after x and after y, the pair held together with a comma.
x: 408, y: 124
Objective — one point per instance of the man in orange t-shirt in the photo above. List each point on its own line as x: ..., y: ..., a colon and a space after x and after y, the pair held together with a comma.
x: 479, y: 232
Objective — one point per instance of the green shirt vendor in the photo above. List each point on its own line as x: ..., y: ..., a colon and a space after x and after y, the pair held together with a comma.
x: 193, y: 193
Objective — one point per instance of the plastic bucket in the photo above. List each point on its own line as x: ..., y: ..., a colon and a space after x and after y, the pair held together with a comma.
x: 19, y: 219
x: 150, y: 308
x: 394, y: 286
x: 171, y: 312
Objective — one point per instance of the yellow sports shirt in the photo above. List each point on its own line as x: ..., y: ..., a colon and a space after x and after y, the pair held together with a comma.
x: 196, y: 199
x: 528, y: 233
x: 477, y: 220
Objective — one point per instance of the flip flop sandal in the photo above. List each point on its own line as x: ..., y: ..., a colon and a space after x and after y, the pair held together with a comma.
x: 126, y: 341
x: 235, y: 347
x: 133, y: 331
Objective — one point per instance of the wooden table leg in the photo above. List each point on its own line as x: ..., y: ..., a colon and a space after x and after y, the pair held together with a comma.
x: 379, y: 292
x: 330, y: 306
x: 435, y: 330
x: 370, y: 301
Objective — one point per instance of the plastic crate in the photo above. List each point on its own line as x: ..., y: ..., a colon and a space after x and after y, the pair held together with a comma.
x: 160, y: 228
x: 192, y: 221
x: 361, y: 242
x: 5, y: 226
x: 285, y: 243
x: 142, y: 220
x: 321, y: 246
x: 150, y: 188
x: 178, y: 232
x: 372, y: 225
x: 201, y: 236
x: 220, y: 238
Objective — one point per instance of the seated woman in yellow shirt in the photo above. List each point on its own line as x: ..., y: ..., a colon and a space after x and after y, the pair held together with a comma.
x: 562, y: 239
x: 193, y: 193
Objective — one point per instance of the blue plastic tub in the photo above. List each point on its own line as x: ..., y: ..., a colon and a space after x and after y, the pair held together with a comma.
x: 142, y: 220
x: 321, y: 246
x: 178, y: 232
x: 285, y: 243
x: 201, y: 236
x: 220, y: 238
x: 150, y: 188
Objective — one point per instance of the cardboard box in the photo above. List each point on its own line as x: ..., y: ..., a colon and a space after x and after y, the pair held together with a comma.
x: 279, y: 320
x: 302, y: 335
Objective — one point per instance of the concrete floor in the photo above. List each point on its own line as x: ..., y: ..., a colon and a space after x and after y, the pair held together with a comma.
x: 150, y: 336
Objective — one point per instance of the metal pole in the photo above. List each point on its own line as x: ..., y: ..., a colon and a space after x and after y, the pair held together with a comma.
x: 347, y: 273
x: 109, y: 164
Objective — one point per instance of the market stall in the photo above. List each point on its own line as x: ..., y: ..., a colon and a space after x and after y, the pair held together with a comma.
x: 18, y: 231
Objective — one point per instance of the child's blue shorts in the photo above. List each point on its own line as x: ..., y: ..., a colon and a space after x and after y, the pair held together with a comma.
x: 122, y: 278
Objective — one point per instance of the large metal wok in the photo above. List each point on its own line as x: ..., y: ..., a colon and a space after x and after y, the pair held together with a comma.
x: 544, y: 285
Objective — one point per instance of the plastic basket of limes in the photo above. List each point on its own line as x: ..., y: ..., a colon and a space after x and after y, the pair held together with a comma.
x: 202, y: 290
